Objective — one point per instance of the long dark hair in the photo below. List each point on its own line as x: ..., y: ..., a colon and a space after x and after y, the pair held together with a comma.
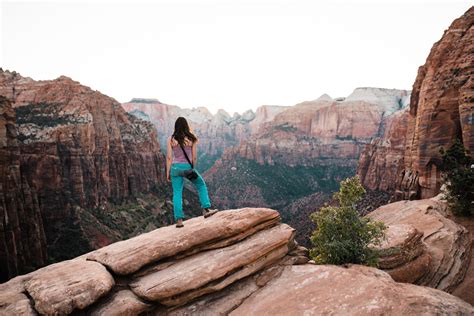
x: 181, y: 131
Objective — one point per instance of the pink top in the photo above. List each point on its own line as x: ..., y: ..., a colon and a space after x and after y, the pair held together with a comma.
x: 178, y: 155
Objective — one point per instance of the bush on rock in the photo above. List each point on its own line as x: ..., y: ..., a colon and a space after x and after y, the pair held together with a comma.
x: 342, y: 235
x: 458, y: 172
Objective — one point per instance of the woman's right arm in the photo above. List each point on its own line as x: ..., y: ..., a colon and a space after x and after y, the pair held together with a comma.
x: 169, y: 159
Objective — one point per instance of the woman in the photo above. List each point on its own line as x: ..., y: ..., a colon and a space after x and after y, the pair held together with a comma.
x: 182, y: 156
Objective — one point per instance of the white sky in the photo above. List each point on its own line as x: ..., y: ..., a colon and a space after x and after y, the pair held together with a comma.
x: 226, y: 54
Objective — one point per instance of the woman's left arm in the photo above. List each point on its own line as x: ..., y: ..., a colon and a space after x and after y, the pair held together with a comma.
x: 194, y: 153
x: 169, y: 159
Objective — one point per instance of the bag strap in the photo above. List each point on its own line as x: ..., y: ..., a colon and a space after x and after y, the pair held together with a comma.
x: 186, y: 155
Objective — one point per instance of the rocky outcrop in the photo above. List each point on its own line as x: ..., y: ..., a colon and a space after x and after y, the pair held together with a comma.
x: 69, y: 150
x: 168, y: 266
x: 22, y: 238
x: 441, y: 111
x: 423, y: 246
x: 239, y: 262
x: 357, y: 290
x: 403, y: 254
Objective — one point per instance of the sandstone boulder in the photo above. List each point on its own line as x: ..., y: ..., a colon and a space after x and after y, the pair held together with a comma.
x: 402, y: 244
x: 63, y: 287
x: 14, y: 302
x: 57, y: 289
x: 424, y: 246
x: 403, y: 254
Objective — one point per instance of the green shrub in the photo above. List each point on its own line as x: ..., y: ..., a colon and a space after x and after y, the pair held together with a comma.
x: 342, y: 236
x: 458, y: 172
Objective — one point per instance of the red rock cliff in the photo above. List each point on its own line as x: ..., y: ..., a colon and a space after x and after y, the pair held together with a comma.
x: 441, y: 110
x: 312, y: 131
x: 381, y: 161
x: 442, y: 104
x: 77, y: 149
x: 22, y: 239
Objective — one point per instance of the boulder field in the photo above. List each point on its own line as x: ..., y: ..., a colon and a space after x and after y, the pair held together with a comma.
x: 238, y: 262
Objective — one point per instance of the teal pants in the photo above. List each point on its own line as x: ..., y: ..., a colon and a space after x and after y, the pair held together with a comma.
x: 177, y: 182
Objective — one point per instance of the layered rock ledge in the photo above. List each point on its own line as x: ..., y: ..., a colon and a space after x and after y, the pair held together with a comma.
x: 423, y: 246
x: 239, y: 262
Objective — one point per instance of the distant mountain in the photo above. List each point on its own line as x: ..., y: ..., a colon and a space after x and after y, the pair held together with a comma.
x: 216, y: 132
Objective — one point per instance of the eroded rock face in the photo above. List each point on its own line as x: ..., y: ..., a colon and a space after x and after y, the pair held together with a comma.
x: 441, y: 110
x: 67, y: 148
x: 381, y: 161
x: 442, y: 104
x: 88, y: 143
x: 322, y: 129
x: 403, y: 254
x: 22, y: 238
x: 424, y: 247
x: 357, y: 290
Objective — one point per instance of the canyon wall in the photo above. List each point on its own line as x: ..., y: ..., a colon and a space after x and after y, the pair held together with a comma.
x: 67, y: 150
x: 22, y: 238
x: 313, y: 131
x: 330, y: 128
x: 381, y: 161
x: 441, y: 111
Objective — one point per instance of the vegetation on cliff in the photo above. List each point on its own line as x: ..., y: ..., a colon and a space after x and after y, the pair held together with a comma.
x: 458, y: 171
x: 342, y: 235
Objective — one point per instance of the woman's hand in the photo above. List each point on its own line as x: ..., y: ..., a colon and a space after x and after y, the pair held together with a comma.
x: 168, y: 177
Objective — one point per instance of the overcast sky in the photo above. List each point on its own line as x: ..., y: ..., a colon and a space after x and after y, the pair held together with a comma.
x: 231, y: 54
